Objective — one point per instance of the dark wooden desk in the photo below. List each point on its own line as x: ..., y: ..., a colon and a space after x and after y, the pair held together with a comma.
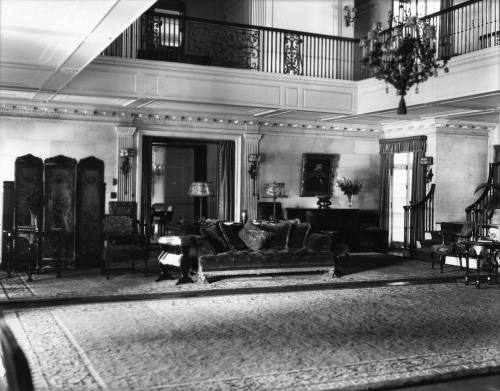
x: 343, y: 221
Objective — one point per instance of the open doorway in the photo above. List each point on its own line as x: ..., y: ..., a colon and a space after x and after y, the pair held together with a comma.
x: 400, y: 195
x: 169, y: 168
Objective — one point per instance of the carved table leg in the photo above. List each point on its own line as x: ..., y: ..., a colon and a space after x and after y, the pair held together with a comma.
x: 32, y: 259
x: 10, y: 253
x: 467, y: 267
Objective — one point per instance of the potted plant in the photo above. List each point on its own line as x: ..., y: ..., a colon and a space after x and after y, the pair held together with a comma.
x: 350, y: 187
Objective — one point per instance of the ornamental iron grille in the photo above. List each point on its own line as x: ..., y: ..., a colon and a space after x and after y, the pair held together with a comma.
x: 293, y: 54
x: 222, y: 45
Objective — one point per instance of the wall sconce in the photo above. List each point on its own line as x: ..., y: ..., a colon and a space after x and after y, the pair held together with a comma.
x: 254, y: 159
x: 158, y: 170
x: 349, y: 15
x: 125, y: 155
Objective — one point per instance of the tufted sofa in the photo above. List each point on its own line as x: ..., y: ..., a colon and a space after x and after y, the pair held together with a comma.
x: 226, y: 249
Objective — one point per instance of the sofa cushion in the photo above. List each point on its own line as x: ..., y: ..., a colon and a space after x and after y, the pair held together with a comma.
x: 279, y: 234
x: 297, y: 235
x: 214, y: 237
x: 230, y: 234
x: 253, y: 237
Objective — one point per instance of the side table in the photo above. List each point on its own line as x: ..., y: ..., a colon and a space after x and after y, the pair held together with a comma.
x: 175, y: 253
x: 485, y: 250
x: 35, y: 239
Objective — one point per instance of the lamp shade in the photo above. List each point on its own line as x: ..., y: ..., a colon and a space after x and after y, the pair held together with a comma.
x: 275, y: 189
x: 201, y: 189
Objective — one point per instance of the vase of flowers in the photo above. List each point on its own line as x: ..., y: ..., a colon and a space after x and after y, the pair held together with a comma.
x: 350, y: 187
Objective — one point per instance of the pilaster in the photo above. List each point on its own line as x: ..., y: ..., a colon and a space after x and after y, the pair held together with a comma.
x: 126, y: 181
x: 250, y: 145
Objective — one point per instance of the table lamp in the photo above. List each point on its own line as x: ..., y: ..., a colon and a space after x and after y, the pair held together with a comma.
x: 275, y: 190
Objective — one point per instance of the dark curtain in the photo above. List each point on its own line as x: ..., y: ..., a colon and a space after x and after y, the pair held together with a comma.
x: 147, y: 166
x: 418, y: 194
x: 388, y: 148
x: 386, y: 163
x: 225, y: 180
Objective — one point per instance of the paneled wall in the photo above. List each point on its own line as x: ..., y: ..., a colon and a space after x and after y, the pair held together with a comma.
x: 460, y: 165
x: 282, y: 162
x: 47, y: 138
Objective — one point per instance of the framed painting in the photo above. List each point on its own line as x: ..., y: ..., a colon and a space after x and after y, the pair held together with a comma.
x: 318, y: 173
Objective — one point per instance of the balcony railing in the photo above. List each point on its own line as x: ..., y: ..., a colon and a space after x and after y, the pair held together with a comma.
x: 461, y: 29
x: 198, y: 41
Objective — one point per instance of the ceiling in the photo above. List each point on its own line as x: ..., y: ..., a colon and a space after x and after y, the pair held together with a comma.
x: 45, y: 44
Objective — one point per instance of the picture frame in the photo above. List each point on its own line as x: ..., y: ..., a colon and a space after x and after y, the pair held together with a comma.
x: 318, y: 174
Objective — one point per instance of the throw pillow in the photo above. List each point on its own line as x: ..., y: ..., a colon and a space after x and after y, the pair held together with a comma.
x: 230, y: 234
x: 279, y: 234
x: 254, y: 237
x: 214, y: 237
x: 297, y: 235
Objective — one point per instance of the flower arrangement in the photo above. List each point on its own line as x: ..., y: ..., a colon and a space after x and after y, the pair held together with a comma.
x: 349, y: 186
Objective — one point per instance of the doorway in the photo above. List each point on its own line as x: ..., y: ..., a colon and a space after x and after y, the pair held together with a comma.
x: 171, y: 165
x: 400, y: 195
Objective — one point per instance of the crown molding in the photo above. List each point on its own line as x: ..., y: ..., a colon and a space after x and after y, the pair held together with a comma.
x: 147, y: 119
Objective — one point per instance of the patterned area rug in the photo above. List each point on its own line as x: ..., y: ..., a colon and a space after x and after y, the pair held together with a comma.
x: 315, y: 340
x: 83, y: 283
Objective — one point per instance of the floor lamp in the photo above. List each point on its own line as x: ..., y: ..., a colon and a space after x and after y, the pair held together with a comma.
x: 201, y: 189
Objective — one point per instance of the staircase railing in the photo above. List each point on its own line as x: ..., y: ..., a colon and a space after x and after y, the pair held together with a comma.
x: 477, y: 211
x: 418, y: 219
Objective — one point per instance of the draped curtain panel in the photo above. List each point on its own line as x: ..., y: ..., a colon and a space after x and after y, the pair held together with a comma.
x: 386, y: 164
x: 225, y: 180
x: 388, y: 148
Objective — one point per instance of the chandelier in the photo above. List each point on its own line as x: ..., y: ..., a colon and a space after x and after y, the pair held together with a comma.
x: 403, y: 55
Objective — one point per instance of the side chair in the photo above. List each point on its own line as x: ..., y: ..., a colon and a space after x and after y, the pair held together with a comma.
x: 124, y: 240
x: 452, y: 246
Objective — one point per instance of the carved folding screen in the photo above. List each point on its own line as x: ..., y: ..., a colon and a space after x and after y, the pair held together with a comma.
x: 60, y: 185
x: 89, y: 212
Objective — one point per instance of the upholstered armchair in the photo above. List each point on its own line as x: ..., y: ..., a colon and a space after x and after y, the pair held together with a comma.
x: 124, y: 240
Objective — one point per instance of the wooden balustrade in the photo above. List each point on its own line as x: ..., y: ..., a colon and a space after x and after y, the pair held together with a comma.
x: 418, y: 219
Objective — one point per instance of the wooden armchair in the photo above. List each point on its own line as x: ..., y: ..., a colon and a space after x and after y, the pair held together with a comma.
x: 124, y: 240
x: 452, y: 244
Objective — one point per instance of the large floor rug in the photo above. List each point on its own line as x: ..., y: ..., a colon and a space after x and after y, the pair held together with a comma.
x: 369, y: 267
x: 315, y: 340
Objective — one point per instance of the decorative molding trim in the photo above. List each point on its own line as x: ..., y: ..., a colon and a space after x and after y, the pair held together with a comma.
x: 453, y: 123
x: 218, y: 72
x: 437, y: 126
x: 125, y: 117
x: 125, y: 131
